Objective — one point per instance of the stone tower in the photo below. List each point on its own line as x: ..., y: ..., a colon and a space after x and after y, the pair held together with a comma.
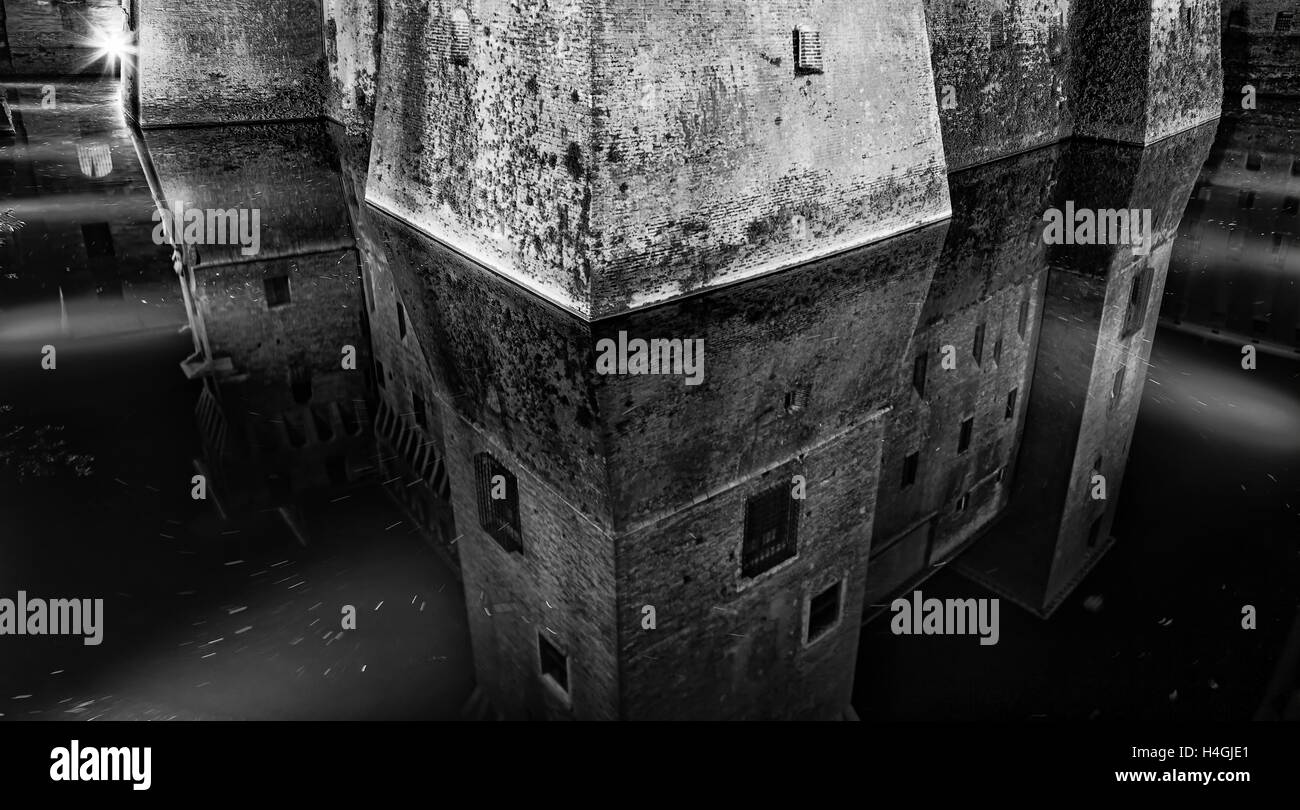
x: 608, y: 155
x: 625, y: 492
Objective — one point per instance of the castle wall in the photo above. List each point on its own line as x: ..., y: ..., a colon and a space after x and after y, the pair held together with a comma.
x: 234, y: 61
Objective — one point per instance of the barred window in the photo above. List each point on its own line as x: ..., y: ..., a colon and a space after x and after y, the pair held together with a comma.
x: 499, y: 516
x: 807, y: 51
x: 460, y: 37
x: 1282, y: 23
x: 997, y: 32
x: 771, y: 530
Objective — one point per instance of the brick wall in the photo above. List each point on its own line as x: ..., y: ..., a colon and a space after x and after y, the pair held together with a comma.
x: 56, y: 39
x: 1007, y: 62
x: 352, y: 46
x: 580, y: 150
x: 727, y: 647
x: 237, y: 60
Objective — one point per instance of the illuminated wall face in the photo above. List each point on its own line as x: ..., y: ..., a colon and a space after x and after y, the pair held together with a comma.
x: 662, y: 153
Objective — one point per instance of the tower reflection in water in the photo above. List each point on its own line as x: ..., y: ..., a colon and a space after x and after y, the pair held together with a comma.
x: 647, y: 554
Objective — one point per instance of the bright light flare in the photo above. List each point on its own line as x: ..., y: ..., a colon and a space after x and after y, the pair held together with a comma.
x: 111, y: 45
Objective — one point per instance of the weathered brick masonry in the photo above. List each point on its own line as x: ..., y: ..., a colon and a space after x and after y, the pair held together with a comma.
x: 632, y: 490
x: 1028, y: 73
x: 609, y: 155
x: 1082, y: 408
x: 227, y: 62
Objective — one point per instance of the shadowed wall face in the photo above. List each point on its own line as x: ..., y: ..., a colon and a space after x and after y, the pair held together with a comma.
x: 1001, y: 75
x: 612, y: 156
x: 240, y: 60
x: 1144, y: 69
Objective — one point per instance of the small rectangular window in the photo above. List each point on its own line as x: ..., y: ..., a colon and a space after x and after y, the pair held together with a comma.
x: 771, y: 530
x: 823, y: 612
x: 807, y: 51
x: 1246, y: 199
x: 910, y: 465
x: 997, y: 351
x: 977, y: 346
x: 401, y: 320
x: 277, y: 291
x: 963, y: 440
x: 1117, y: 387
x: 1002, y: 474
x: 918, y: 373
x: 98, y: 239
x: 1282, y: 22
x: 997, y: 32
x: 1011, y: 403
x: 1024, y: 317
x: 379, y: 374
x: 1253, y: 161
x: 553, y: 663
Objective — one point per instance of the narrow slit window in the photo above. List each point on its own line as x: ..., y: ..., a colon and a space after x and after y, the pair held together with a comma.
x: 1024, y: 318
x: 421, y: 417
x: 918, y: 373
x: 1136, y: 311
x: 1011, y: 403
x: 977, y: 346
x: 963, y: 439
x: 910, y: 465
